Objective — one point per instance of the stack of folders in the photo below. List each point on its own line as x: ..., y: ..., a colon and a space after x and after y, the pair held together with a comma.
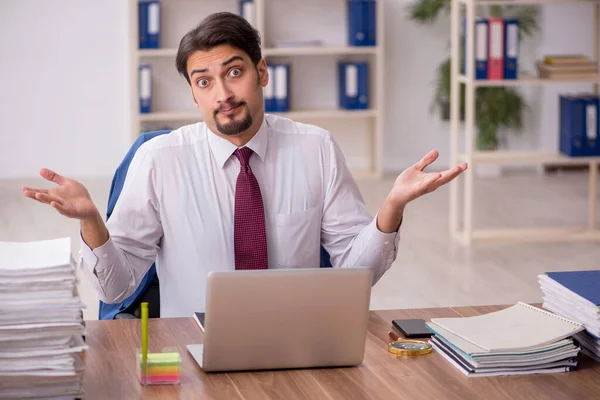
x: 277, y: 92
x: 576, y: 295
x: 41, y: 322
x: 496, y: 46
x: 517, y: 340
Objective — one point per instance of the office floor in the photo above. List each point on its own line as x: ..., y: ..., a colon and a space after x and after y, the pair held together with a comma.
x: 430, y: 270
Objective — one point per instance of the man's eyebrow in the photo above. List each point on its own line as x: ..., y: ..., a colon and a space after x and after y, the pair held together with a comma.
x: 232, y: 59
x: 225, y: 63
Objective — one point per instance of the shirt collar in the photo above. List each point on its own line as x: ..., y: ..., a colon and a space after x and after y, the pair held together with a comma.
x: 223, y: 148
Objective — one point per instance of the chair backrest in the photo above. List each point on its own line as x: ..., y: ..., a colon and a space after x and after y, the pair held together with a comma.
x: 109, y: 311
x: 106, y: 310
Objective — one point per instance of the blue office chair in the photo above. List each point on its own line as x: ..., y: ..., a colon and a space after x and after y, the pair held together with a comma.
x: 148, y: 290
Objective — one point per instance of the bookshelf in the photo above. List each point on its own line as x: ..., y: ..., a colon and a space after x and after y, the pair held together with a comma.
x: 175, y: 109
x: 464, y: 207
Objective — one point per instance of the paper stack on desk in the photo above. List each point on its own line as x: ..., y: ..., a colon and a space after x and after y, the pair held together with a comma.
x: 520, y: 339
x: 41, y: 321
x: 576, y: 295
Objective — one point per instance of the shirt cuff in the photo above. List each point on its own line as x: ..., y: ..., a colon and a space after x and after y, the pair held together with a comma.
x: 384, y: 242
x: 100, y: 257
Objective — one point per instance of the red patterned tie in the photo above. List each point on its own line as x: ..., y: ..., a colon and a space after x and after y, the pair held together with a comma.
x: 249, y: 232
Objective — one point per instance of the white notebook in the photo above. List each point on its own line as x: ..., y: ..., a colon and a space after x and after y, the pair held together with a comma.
x: 519, y: 327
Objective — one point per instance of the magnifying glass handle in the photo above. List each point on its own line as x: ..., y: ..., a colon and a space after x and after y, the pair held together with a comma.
x: 393, y: 336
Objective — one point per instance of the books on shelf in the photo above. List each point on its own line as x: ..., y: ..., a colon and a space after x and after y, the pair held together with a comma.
x: 517, y: 340
x: 41, y: 324
x: 277, y: 92
x: 286, y: 44
x: 362, y: 22
x: 496, y: 46
x: 567, y: 67
x: 149, y: 21
x: 576, y: 295
x: 579, y: 129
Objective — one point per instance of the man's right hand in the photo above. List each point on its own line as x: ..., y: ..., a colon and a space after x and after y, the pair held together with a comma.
x: 70, y: 198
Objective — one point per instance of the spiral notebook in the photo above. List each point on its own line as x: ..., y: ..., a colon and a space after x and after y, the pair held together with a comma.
x: 516, y: 328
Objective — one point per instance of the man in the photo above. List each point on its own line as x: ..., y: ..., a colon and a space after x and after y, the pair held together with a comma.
x: 242, y: 190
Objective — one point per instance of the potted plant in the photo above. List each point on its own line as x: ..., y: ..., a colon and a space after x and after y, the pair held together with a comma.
x: 496, y: 108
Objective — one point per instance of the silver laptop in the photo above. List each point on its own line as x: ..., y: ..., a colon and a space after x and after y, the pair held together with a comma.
x: 284, y: 318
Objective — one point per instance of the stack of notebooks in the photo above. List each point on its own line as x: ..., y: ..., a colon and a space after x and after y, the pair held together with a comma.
x: 41, y: 321
x: 517, y: 340
x: 567, y: 67
x: 576, y: 295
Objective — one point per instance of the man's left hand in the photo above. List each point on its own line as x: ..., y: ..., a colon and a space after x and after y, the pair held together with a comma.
x: 413, y: 182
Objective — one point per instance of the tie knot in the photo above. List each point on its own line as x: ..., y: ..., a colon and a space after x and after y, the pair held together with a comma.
x: 244, y: 155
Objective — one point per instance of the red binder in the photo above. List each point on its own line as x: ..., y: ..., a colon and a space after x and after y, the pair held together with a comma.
x: 496, y: 49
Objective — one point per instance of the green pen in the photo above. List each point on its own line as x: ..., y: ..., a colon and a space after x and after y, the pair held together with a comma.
x: 144, y: 341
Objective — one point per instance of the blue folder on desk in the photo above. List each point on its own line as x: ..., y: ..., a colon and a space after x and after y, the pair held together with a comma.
x: 584, y: 283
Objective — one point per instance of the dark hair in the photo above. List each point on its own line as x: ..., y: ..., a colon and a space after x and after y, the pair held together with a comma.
x: 215, y: 30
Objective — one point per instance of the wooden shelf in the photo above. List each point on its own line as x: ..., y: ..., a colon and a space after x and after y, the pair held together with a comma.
x: 311, y: 114
x: 527, y: 80
x: 468, y: 10
x: 194, y: 115
x: 168, y: 52
x: 284, y: 51
x: 526, y: 158
x: 555, y: 234
x: 176, y: 113
x: 320, y: 50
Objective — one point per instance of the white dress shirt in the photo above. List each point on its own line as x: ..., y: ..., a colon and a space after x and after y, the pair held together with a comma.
x: 176, y: 209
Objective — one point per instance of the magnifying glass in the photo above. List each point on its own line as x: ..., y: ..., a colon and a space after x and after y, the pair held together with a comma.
x: 407, y: 347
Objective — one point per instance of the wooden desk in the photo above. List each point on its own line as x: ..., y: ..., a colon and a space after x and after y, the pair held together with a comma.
x: 110, y: 369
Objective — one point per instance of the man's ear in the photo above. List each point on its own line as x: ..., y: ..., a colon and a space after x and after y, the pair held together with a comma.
x: 263, y: 72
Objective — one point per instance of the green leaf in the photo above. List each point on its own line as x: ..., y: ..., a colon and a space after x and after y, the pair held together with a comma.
x: 527, y: 16
x: 427, y: 11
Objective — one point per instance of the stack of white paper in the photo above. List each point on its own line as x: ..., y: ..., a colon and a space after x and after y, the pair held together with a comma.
x: 41, y: 321
x: 520, y: 339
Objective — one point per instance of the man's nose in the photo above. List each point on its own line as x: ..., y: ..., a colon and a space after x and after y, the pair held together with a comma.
x: 224, y: 93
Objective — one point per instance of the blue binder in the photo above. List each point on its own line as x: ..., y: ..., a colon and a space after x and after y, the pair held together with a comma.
x: 481, y: 46
x: 371, y: 22
x: 584, y: 283
x: 281, y: 87
x: 591, y: 133
x: 571, y: 116
x: 247, y: 10
x: 511, y: 48
x: 268, y: 91
x: 353, y: 85
x: 149, y: 24
x: 357, y: 23
x: 145, y: 88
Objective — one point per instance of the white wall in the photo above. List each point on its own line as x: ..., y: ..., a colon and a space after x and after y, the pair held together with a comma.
x: 63, y: 82
x: 64, y: 76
